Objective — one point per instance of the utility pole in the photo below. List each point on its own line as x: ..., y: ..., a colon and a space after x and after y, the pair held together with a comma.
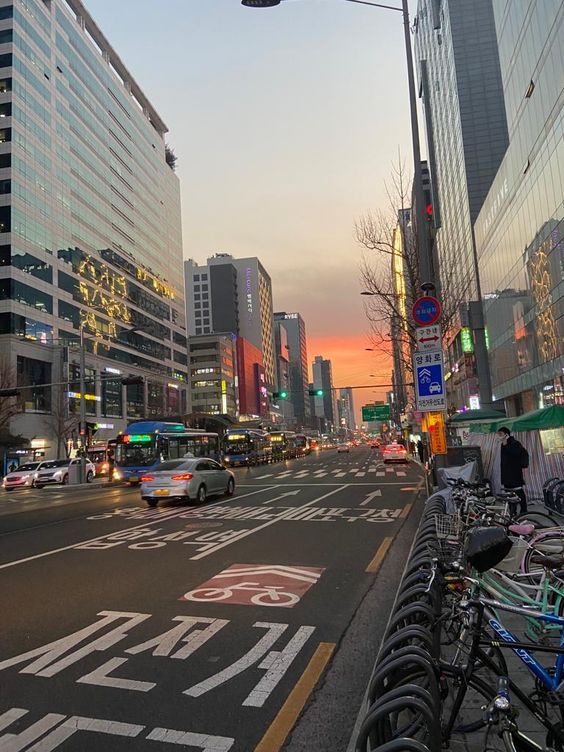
x: 82, y: 429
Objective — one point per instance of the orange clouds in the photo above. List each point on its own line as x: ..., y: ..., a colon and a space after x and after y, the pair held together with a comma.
x: 352, y: 364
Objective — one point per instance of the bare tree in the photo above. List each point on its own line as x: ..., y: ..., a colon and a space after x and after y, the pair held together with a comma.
x: 61, y: 422
x: 389, y: 311
x: 9, y: 406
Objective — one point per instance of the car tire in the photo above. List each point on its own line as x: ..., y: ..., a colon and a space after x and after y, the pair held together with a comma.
x: 39, y: 486
x: 230, y: 490
x: 202, y: 495
x: 65, y: 480
x: 151, y: 501
x: 89, y: 476
x: 8, y: 490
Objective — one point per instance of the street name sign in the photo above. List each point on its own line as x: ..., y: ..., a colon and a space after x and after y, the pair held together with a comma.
x: 428, y: 337
x: 426, y: 310
x: 375, y: 412
x: 430, y: 390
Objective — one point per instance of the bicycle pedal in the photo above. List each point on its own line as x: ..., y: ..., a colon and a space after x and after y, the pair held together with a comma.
x: 556, y: 696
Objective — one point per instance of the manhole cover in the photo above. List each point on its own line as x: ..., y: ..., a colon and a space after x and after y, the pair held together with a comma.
x: 202, y: 525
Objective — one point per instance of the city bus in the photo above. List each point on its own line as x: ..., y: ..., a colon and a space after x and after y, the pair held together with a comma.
x: 145, y: 444
x: 283, y: 445
x: 302, y: 445
x: 246, y: 447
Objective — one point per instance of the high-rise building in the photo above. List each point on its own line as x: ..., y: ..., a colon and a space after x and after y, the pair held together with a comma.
x: 347, y: 418
x: 213, y: 374
x: 90, y: 222
x: 233, y: 295
x: 282, y: 357
x: 520, y: 228
x: 253, y: 391
x: 466, y: 127
x: 294, y: 325
x: 326, y: 410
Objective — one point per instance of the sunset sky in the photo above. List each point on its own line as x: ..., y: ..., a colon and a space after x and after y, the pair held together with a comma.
x: 286, y: 122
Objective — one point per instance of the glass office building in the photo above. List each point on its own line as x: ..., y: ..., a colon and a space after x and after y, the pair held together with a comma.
x: 90, y: 222
x: 520, y: 229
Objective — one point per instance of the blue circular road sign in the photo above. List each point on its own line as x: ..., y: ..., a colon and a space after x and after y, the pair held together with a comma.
x: 426, y: 310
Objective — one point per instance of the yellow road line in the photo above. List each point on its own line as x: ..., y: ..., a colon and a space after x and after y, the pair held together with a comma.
x: 405, y: 511
x: 288, y: 714
x: 376, y: 562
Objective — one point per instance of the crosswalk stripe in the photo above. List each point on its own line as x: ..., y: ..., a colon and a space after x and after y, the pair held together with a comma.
x: 320, y: 475
x: 360, y: 475
x: 399, y: 472
x: 380, y: 474
x: 261, y: 477
x: 340, y: 475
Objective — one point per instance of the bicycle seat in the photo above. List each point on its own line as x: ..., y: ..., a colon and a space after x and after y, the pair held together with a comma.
x: 549, y: 562
x: 525, y: 529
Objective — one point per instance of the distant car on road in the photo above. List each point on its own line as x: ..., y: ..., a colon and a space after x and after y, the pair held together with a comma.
x: 187, y: 479
x: 343, y: 448
x: 394, y: 453
x: 435, y: 388
x: 57, y: 472
x: 23, y: 477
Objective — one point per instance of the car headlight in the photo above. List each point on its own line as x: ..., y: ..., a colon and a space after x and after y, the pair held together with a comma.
x: 117, y: 475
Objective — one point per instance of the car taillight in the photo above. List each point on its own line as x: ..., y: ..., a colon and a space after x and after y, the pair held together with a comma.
x: 147, y: 478
x: 182, y: 476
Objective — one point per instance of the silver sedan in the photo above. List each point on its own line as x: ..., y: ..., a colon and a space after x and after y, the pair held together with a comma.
x: 187, y: 479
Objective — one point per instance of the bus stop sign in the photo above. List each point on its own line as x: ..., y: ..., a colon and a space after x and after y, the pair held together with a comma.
x: 426, y: 310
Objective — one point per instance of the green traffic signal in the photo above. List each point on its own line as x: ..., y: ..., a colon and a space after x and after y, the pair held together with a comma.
x: 316, y: 392
x: 280, y: 395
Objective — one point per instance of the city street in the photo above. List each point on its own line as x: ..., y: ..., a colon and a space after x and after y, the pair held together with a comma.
x: 239, y: 625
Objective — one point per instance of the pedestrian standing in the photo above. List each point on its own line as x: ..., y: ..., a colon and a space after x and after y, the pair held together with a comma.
x: 412, y: 448
x: 111, y: 463
x: 420, y: 450
x: 514, y: 459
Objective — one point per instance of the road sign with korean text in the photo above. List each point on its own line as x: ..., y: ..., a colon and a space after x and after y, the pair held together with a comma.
x: 428, y: 371
x: 426, y: 310
x: 375, y: 412
x: 428, y: 337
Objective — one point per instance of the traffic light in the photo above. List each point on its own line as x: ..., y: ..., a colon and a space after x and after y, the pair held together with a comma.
x: 280, y: 395
x: 131, y: 380
x: 316, y: 392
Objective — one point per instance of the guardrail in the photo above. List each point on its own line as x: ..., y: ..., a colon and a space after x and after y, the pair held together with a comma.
x: 403, y: 698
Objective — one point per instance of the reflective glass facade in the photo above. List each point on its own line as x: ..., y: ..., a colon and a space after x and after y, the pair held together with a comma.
x: 90, y: 232
x: 519, y: 232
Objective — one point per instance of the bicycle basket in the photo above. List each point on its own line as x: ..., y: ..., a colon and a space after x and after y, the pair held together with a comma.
x: 512, y: 562
x: 447, y: 526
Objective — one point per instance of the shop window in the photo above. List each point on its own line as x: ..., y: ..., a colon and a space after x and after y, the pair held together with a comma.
x: 112, y: 403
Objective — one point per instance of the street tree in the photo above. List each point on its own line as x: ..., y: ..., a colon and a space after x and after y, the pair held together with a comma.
x: 61, y: 423
x: 390, y: 274
x: 9, y: 406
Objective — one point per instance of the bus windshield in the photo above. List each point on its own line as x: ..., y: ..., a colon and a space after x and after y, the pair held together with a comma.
x: 135, y: 454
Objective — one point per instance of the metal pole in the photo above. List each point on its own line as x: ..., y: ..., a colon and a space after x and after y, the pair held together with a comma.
x: 425, y: 261
x: 82, y: 429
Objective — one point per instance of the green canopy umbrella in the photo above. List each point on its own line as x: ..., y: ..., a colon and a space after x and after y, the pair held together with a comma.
x: 536, y: 420
x: 480, y: 414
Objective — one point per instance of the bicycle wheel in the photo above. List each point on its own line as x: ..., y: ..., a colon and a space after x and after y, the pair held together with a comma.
x: 538, y: 519
x: 547, y: 544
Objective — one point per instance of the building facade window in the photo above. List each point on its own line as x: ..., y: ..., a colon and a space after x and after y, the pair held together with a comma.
x: 33, y: 374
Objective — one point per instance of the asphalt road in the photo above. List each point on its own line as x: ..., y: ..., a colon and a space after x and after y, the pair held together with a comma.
x: 244, y: 624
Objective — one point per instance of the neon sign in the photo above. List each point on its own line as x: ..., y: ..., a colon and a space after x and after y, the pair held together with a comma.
x: 137, y: 438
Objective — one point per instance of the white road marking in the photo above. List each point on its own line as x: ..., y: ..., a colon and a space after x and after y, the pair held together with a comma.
x: 400, y: 474
x: 320, y: 475
x: 282, y: 496
x: 205, y: 742
x: 380, y: 474
x: 262, y: 477
x: 245, y: 534
x: 166, y: 642
x: 361, y: 474
x: 101, y: 537
x: 371, y: 496
x: 340, y: 475
x: 277, y: 665
x: 100, y: 677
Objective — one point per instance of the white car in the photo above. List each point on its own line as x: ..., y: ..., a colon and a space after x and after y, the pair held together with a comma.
x: 57, y: 472
x: 343, y: 448
x: 435, y: 388
x: 23, y: 477
x: 189, y: 479
x: 394, y: 453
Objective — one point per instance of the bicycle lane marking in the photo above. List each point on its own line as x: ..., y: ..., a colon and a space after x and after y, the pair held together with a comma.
x: 246, y: 533
x: 53, y: 551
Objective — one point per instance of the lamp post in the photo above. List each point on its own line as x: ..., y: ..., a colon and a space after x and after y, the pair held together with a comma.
x: 426, y: 271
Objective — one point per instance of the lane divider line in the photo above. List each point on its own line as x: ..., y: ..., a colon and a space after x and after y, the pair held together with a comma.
x: 380, y: 555
x: 405, y: 511
x: 288, y: 714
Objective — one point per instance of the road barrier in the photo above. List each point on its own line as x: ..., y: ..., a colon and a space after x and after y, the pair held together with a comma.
x: 403, y: 697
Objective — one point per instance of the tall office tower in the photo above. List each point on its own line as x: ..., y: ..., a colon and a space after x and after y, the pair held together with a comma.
x: 91, y: 234
x: 346, y: 409
x: 233, y: 295
x: 326, y: 406
x: 298, y: 367
x: 520, y: 229
x: 282, y: 357
x: 466, y: 127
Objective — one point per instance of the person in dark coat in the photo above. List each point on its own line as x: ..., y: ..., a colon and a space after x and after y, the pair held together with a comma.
x: 512, y: 466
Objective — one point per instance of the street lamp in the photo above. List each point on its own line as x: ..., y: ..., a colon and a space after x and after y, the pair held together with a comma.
x: 425, y: 261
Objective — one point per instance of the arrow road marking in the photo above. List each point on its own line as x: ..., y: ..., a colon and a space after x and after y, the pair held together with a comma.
x: 277, y: 498
x: 371, y: 496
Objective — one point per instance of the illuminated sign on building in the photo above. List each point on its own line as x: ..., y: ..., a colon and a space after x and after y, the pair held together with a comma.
x: 88, y: 397
x: 466, y: 340
x: 291, y: 316
x: 249, y: 290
